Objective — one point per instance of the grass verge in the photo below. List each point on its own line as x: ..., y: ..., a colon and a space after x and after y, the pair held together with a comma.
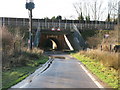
x: 17, y: 74
x: 109, y: 76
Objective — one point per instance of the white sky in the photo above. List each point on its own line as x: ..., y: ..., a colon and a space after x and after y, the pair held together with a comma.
x: 43, y: 8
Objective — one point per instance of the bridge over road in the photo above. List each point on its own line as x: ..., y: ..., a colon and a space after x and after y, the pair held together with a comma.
x: 53, y: 35
x: 67, y: 37
x: 59, y: 39
x: 53, y: 40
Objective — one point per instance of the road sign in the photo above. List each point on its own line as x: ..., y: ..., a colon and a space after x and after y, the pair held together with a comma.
x: 106, y: 35
x: 53, y: 29
x: 58, y: 29
x: 30, y: 5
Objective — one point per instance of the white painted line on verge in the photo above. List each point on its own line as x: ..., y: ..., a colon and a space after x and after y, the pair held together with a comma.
x: 94, y: 80
x: 24, y: 83
x: 23, y: 86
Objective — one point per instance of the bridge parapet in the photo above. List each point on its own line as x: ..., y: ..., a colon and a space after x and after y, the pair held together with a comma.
x: 63, y: 24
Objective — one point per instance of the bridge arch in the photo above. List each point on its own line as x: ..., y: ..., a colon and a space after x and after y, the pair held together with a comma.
x: 51, y: 44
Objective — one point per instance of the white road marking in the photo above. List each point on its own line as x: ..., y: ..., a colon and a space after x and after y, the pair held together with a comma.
x: 94, y: 80
x: 23, y: 86
x: 24, y: 83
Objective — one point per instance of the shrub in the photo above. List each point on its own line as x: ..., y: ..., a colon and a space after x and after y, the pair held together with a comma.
x: 107, y: 59
x: 14, y: 54
x: 97, y: 39
x: 7, y: 46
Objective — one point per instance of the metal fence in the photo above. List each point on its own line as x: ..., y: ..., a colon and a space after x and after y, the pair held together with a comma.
x: 63, y: 24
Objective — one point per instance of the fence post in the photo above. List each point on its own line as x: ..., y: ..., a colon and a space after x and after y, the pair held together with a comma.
x: 45, y: 23
x: 1, y: 23
x: 48, y: 25
x: 70, y: 26
x: 59, y: 23
x: 66, y: 24
x: 8, y: 21
x: 52, y: 22
x: 23, y: 21
x: 16, y: 22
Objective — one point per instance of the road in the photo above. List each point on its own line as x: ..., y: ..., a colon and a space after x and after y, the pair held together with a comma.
x: 64, y: 72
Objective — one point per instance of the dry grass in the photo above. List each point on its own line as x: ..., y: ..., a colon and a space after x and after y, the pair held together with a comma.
x: 98, y: 39
x: 22, y: 58
x: 7, y: 45
x: 112, y: 40
x: 13, y: 51
x: 101, y: 64
x: 107, y: 59
x: 34, y: 50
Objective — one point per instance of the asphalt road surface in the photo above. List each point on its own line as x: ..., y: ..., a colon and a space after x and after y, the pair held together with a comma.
x: 64, y: 72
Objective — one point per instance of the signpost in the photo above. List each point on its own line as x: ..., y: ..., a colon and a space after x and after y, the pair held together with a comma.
x: 30, y: 5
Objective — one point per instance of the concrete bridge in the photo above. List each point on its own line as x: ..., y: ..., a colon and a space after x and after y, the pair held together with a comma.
x: 57, y: 34
x: 59, y: 39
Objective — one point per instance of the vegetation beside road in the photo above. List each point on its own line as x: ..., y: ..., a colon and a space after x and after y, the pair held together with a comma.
x: 101, y: 58
x: 17, y: 61
x: 96, y: 38
x: 103, y: 64
x: 17, y: 73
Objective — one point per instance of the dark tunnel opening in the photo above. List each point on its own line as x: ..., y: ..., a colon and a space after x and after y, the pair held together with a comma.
x: 51, y: 44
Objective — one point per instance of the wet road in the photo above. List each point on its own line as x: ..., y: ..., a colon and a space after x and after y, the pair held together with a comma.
x: 62, y: 73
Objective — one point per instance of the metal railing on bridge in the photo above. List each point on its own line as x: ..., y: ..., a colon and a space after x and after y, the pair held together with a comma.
x: 62, y: 24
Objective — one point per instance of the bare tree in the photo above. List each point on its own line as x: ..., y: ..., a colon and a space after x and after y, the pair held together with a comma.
x: 82, y: 7
x: 113, y: 9
x: 78, y: 8
x: 97, y: 9
x: 94, y: 9
x: 86, y: 8
x: 109, y: 7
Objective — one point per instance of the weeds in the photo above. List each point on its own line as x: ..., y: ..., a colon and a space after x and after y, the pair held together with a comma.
x: 22, y: 66
x: 18, y: 62
x: 14, y: 52
x: 105, y: 73
x: 107, y: 59
x: 105, y: 64
x: 96, y: 38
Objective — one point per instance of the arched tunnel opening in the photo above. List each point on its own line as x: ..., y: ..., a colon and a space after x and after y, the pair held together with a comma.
x: 51, y: 44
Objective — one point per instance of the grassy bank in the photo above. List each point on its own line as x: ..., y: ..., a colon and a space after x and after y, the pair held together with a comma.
x: 22, y: 66
x: 104, y: 72
x: 16, y: 74
x: 17, y: 60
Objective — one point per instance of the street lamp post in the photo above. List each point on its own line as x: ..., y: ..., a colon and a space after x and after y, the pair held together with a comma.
x: 30, y: 5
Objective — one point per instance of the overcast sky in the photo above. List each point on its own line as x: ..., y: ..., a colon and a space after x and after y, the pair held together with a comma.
x: 43, y: 8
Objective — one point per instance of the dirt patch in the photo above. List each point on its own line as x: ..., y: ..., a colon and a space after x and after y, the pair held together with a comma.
x: 58, y: 57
